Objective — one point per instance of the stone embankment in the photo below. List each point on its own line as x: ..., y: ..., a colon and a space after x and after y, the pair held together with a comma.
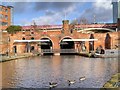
x: 16, y: 56
x: 113, y: 83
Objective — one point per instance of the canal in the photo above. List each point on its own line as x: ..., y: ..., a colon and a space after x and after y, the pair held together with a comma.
x: 37, y: 72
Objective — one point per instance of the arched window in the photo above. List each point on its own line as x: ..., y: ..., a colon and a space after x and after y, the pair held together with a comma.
x: 23, y: 38
x: 108, y: 41
x: 15, y: 49
x: 32, y: 32
x: 23, y: 32
x: 32, y: 38
x: 91, y: 43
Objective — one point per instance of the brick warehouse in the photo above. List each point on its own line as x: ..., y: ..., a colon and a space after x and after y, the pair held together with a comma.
x: 5, y: 16
x: 5, y: 21
x: 107, y: 37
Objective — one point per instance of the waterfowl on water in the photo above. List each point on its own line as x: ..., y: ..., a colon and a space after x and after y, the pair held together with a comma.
x: 52, y: 85
x: 82, y: 78
x: 71, y: 81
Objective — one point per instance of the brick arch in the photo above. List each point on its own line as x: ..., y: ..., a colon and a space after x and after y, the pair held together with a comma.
x: 65, y: 37
x: 48, y: 38
x: 71, y: 45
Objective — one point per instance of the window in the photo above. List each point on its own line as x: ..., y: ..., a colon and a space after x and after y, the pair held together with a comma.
x: 23, y: 38
x: 6, y: 10
x: 6, y: 17
x: 32, y: 38
x: 0, y: 8
x: 3, y: 16
x: 71, y: 31
x: 0, y: 16
x: 4, y: 23
x: 32, y: 32
x: 23, y: 32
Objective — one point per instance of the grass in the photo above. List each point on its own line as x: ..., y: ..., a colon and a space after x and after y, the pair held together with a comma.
x: 112, y: 83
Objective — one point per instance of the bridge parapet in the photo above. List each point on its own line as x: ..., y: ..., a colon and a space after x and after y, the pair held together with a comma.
x: 96, y: 26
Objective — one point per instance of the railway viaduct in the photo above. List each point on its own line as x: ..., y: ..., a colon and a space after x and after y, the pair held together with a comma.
x: 52, y: 37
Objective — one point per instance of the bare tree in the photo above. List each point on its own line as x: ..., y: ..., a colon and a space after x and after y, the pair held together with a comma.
x: 83, y: 20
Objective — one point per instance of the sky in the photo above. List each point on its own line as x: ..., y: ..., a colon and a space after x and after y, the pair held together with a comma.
x: 52, y: 13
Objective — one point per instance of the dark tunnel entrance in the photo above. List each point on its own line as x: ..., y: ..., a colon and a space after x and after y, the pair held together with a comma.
x: 46, y: 46
x: 66, y: 47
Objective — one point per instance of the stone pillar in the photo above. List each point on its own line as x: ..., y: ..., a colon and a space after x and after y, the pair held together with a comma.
x: 76, y: 46
x: 29, y: 46
x: 87, y: 46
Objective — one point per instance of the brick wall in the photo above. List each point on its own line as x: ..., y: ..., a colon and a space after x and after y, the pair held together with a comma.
x: 56, y: 36
x: 4, y: 44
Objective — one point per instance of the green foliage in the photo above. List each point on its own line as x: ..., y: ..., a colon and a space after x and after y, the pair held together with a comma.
x: 13, y: 29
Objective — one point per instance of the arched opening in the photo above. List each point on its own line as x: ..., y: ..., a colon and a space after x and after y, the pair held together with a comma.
x: 46, y: 46
x: 66, y: 44
x: 27, y: 47
x: 23, y: 38
x: 91, y: 43
x: 32, y: 38
x: 32, y: 48
x: 32, y: 32
x: 108, y: 41
x: 15, y: 49
x: 67, y: 47
x: 83, y: 47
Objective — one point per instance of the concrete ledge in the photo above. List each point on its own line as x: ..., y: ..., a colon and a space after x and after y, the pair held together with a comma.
x: 57, y: 54
x: 9, y: 58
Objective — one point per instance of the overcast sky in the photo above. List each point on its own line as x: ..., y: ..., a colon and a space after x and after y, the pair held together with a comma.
x: 54, y: 12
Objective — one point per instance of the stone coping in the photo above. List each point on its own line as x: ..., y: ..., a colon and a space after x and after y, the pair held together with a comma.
x: 16, y: 56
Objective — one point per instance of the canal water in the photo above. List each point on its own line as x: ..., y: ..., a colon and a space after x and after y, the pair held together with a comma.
x: 37, y: 72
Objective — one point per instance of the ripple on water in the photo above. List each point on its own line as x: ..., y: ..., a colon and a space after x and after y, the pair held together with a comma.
x: 39, y: 72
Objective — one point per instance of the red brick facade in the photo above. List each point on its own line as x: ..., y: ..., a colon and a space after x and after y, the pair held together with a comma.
x: 108, y: 40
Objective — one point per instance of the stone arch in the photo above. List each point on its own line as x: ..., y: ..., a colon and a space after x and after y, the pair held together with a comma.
x: 108, y: 41
x: 91, y: 43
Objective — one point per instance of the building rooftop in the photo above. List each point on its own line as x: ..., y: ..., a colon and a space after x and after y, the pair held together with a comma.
x: 109, y: 25
x: 7, y: 6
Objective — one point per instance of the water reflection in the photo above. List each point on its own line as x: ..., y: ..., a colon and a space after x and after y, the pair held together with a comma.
x: 37, y: 72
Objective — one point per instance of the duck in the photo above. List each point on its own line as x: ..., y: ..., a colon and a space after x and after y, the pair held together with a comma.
x: 52, y: 85
x: 82, y: 78
x: 71, y: 82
